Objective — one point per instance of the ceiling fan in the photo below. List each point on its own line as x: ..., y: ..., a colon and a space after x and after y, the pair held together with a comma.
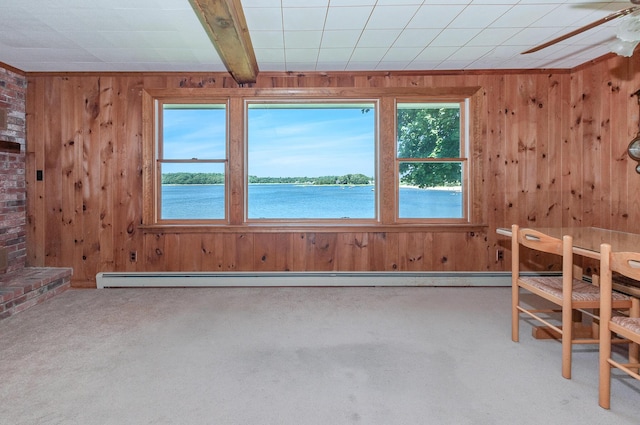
x: 627, y: 34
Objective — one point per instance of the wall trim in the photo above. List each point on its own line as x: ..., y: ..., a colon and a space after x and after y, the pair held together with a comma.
x: 299, y: 279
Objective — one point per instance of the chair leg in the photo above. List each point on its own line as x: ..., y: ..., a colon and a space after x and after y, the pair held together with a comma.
x: 604, y: 392
x: 634, y: 351
x: 567, y: 338
x: 515, y: 313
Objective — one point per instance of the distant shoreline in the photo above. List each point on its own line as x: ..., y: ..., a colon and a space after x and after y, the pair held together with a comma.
x: 407, y: 186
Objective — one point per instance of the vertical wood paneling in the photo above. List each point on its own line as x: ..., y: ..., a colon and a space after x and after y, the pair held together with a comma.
x: 610, y: 98
x: 66, y: 253
x: 430, y: 252
x: 623, y: 109
x: 190, y: 254
x: 554, y: 136
x: 81, y: 92
x: 36, y: 213
x: 105, y: 189
x: 573, y: 150
x: 554, y: 152
x: 412, y: 254
x: 283, y: 253
x: 529, y: 146
x: 212, y: 248
x: 540, y: 108
x: 494, y: 156
x: 352, y: 251
x: 378, y: 258
x: 567, y: 131
x: 632, y: 83
x: 153, y: 252
x: 391, y: 251
x: 320, y: 251
x: 266, y: 251
x: 172, y: 249
x: 515, y: 210
x: 244, y: 251
x: 301, y: 261
x: 591, y: 171
x: 127, y: 172
x: 442, y: 250
x: 51, y: 153
x: 385, y: 254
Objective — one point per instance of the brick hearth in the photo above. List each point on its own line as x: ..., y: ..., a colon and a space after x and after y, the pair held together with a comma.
x: 30, y: 286
x: 21, y: 286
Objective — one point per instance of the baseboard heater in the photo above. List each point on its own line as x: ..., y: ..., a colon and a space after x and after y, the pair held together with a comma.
x: 302, y: 279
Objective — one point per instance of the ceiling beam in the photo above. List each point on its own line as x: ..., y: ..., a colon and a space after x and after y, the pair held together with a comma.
x: 225, y: 24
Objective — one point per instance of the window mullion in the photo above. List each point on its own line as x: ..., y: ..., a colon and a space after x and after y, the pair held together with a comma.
x: 387, y: 166
x: 236, y: 145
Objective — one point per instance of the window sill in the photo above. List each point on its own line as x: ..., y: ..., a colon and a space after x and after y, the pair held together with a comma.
x: 313, y: 228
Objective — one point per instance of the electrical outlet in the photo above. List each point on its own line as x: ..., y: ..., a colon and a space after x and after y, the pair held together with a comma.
x: 133, y: 256
x: 499, y: 255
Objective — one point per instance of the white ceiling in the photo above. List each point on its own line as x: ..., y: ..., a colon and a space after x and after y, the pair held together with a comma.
x: 304, y: 35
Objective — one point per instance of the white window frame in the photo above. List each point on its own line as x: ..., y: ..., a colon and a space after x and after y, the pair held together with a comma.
x: 463, y: 160
x: 314, y: 101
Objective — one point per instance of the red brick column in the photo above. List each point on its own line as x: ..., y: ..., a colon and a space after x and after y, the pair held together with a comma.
x: 13, y: 90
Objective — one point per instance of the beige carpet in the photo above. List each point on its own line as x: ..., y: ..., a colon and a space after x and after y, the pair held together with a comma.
x: 292, y: 356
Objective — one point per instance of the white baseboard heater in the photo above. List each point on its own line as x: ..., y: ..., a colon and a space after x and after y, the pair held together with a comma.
x: 302, y: 279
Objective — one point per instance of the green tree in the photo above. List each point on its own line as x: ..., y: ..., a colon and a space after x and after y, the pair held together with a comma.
x: 429, y: 133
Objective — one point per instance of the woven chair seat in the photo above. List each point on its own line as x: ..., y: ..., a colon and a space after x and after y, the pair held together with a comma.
x: 633, y: 324
x: 582, y: 291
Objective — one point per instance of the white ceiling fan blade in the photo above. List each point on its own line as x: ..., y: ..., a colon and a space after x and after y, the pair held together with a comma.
x: 615, y: 15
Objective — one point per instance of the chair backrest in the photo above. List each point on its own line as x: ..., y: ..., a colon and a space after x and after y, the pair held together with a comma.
x: 539, y: 241
x: 544, y: 243
x: 625, y: 263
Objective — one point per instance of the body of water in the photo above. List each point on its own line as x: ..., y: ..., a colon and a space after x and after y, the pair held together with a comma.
x: 273, y: 201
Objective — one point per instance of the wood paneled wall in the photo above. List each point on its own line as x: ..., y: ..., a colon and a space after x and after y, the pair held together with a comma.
x: 554, y: 154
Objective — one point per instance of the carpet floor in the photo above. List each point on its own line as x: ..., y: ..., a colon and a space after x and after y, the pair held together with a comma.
x: 387, y: 355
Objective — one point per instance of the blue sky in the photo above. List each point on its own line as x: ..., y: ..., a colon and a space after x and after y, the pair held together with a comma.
x: 194, y: 133
x: 307, y: 142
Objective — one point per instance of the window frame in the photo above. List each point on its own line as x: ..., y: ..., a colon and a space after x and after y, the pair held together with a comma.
x: 158, y: 140
x: 311, y: 100
x: 386, y: 171
x: 463, y: 160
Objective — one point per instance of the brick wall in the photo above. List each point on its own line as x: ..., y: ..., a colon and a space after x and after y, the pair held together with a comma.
x: 13, y: 88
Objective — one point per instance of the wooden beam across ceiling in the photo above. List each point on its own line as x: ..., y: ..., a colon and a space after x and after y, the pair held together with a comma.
x: 225, y: 24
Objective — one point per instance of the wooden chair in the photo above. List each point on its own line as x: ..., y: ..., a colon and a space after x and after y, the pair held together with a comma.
x: 566, y: 292
x: 628, y: 327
